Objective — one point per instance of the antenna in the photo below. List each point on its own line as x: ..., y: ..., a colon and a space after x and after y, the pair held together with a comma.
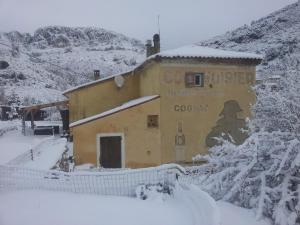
x: 119, y: 80
x: 158, y: 25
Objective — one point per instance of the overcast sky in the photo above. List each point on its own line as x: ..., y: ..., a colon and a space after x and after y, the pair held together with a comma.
x: 181, y: 21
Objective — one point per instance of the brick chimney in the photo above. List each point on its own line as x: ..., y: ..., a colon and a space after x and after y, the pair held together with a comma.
x: 96, y: 74
x: 148, y: 48
x: 156, y: 41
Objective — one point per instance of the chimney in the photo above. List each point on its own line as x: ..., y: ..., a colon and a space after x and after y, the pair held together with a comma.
x: 156, y: 41
x: 151, y: 50
x: 148, y: 48
x: 96, y: 74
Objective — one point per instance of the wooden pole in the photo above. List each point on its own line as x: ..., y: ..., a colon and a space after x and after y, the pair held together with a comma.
x: 32, y: 119
x: 23, y: 123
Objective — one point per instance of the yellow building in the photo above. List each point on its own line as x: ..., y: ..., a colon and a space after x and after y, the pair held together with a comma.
x: 168, y: 109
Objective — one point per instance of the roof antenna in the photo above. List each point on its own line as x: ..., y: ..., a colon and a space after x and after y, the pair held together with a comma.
x: 158, y: 25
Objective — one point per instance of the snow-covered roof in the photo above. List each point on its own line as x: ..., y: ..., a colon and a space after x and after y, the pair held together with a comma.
x: 189, y: 51
x: 197, y: 51
x: 275, y: 77
x: 96, y: 81
x: 126, y: 105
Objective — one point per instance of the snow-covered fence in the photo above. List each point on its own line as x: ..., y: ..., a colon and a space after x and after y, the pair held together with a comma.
x: 120, y: 183
x: 195, y: 174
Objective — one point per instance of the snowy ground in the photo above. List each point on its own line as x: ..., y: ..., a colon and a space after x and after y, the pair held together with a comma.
x: 46, y: 207
x: 43, y: 208
x: 47, y: 149
x: 46, y: 153
x: 234, y: 215
x: 13, y: 143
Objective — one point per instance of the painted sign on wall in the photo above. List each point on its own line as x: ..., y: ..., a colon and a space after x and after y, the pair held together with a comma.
x: 180, y: 143
x: 179, y: 137
x: 188, y: 92
x: 190, y: 108
x: 217, y: 77
x: 229, y: 127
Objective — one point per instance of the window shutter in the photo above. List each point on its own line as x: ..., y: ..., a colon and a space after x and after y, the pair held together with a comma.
x: 189, y: 79
x: 152, y: 121
x: 202, y: 80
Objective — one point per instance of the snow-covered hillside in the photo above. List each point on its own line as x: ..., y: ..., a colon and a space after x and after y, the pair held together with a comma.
x: 43, y: 64
x: 277, y: 36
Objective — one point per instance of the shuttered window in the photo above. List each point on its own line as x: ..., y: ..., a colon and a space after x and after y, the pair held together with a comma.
x: 152, y: 121
x: 194, y: 79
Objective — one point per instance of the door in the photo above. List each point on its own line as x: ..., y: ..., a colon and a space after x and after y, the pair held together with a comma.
x: 110, y: 152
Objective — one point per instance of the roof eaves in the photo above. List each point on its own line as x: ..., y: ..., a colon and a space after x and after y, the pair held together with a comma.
x: 255, y: 61
x: 96, y: 82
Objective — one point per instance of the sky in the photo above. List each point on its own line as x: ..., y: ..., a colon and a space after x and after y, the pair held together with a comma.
x: 181, y: 22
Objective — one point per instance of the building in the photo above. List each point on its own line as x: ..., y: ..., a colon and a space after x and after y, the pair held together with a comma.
x: 5, y: 112
x: 168, y: 109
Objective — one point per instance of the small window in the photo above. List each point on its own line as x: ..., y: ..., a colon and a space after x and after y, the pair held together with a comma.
x: 194, y: 79
x: 152, y: 121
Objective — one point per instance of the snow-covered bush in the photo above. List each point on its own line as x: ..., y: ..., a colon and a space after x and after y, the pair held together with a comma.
x: 264, y: 172
x: 53, y: 114
x: 279, y: 110
x: 150, y: 191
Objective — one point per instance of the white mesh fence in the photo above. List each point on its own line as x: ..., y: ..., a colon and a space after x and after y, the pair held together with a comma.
x: 195, y: 174
x: 119, y: 183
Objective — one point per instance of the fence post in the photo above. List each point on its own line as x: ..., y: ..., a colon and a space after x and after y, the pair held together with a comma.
x: 23, y: 125
x: 31, y: 154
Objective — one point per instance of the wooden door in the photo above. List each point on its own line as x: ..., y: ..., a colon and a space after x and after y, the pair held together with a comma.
x: 110, y: 152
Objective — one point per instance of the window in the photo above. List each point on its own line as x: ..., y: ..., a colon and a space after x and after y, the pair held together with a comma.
x: 152, y: 121
x: 194, y: 79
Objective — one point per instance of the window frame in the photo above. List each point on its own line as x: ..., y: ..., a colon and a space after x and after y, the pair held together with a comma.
x: 190, y: 79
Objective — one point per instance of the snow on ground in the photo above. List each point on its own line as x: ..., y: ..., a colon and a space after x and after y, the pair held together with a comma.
x: 186, y: 206
x: 13, y: 144
x: 234, y: 215
x: 46, y: 154
x: 6, y: 126
x: 45, y: 123
x: 48, y: 208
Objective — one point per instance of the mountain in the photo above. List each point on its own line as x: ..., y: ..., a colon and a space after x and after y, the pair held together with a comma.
x: 276, y: 36
x: 55, y: 58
